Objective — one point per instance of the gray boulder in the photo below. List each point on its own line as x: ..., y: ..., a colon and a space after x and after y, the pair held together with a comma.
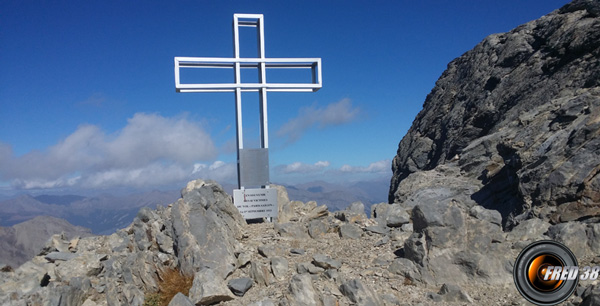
x: 360, y: 294
x: 205, y: 226
x: 208, y: 289
x: 260, y: 273
x: 397, y: 216
x: 350, y: 231
x: 239, y: 286
x: 453, y: 293
x: 279, y: 267
x: 180, y: 300
x: 301, y: 292
x: 326, y: 262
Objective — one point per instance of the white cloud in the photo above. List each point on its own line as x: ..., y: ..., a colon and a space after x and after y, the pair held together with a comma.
x: 298, y: 167
x: 218, y: 171
x: 149, y: 150
x: 337, y: 113
x: 376, y: 167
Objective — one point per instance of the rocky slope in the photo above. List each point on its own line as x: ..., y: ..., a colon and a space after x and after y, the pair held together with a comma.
x: 518, y: 118
x: 21, y: 242
x: 309, y: 257
x: 442, y: 254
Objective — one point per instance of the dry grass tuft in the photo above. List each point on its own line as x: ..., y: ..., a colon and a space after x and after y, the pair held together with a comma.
x: 171, y: 282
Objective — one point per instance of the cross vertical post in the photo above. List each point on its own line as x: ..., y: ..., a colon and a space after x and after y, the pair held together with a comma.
x: 252, y: 164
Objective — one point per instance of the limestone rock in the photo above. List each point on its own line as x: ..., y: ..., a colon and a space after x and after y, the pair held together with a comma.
x: 206, y: 225
x: 260, y: 273
x: 291, y: 230
x: 307, y: 267
x: 350, y: 231
x: 397, y: 216
x: 317, y: 228
x: 302, y: 292
x: 355, y: 213
x: 326, y: 262
x: 360, y: 294
x: 269, y: 251
x: 239, y: 286
x: 520, y: 119
x: 208, y: 289
x: 180, y: 300
x: 453, y: 293
x: 279, y: 267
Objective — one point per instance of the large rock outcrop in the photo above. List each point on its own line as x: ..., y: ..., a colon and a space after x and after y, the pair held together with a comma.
x: 518, y: 118
x: 196, y: 235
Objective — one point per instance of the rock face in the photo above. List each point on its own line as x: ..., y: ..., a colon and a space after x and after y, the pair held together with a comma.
x: 517, y: 120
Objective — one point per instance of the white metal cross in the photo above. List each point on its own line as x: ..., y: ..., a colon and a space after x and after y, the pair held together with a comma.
x: 262, y: 87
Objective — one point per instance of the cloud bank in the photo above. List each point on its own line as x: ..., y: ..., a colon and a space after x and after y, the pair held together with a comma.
x: 333, y: 114
x: 149, y: 150
x: 381, y: 166
x: 298, y: 167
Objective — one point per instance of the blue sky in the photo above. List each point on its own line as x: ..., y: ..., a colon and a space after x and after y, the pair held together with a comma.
x: 87, y: 97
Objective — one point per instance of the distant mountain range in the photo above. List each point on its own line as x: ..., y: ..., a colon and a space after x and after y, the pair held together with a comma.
x: 102, y: 214
x: 106, y: 213
x: 23, y: 241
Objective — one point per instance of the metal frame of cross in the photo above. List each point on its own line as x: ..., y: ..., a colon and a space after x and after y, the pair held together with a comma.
x: 262, y: 87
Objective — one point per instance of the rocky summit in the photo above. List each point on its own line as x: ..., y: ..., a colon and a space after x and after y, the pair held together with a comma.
x: 505, y: 152
x: 514, y: 123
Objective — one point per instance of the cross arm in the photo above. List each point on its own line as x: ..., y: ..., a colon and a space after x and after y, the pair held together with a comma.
x: 230, y: 63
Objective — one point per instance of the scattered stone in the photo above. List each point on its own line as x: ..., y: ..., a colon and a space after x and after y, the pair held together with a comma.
x: 243, y: 259
x: 481, y: 213
x: 315, y: 213
x: 291, y: 230
x: 360, y: 294
x: 334, y: 275
x: 350, y: 231
x: 59, y: 256
x: 279, y: 267
x: 269, y: 251
x: 415, y: 248
x: 326, y: 262
x: 180, y: 300
x: 390, y: 299
x: 208, y: 289
x: 297, y: 251
x: 266, y: 302
x: 301, y: 292
x: 434, y: 297
x: 307, y: 267
x: 377, y: 229
x: 73, y: 244
x: 260, y: 273
x: 317, y: 228
x: 382, y: 241
x: 529, y: 230
x: 453, y: 293
x: 239, y: 286
x: 397, y: 216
